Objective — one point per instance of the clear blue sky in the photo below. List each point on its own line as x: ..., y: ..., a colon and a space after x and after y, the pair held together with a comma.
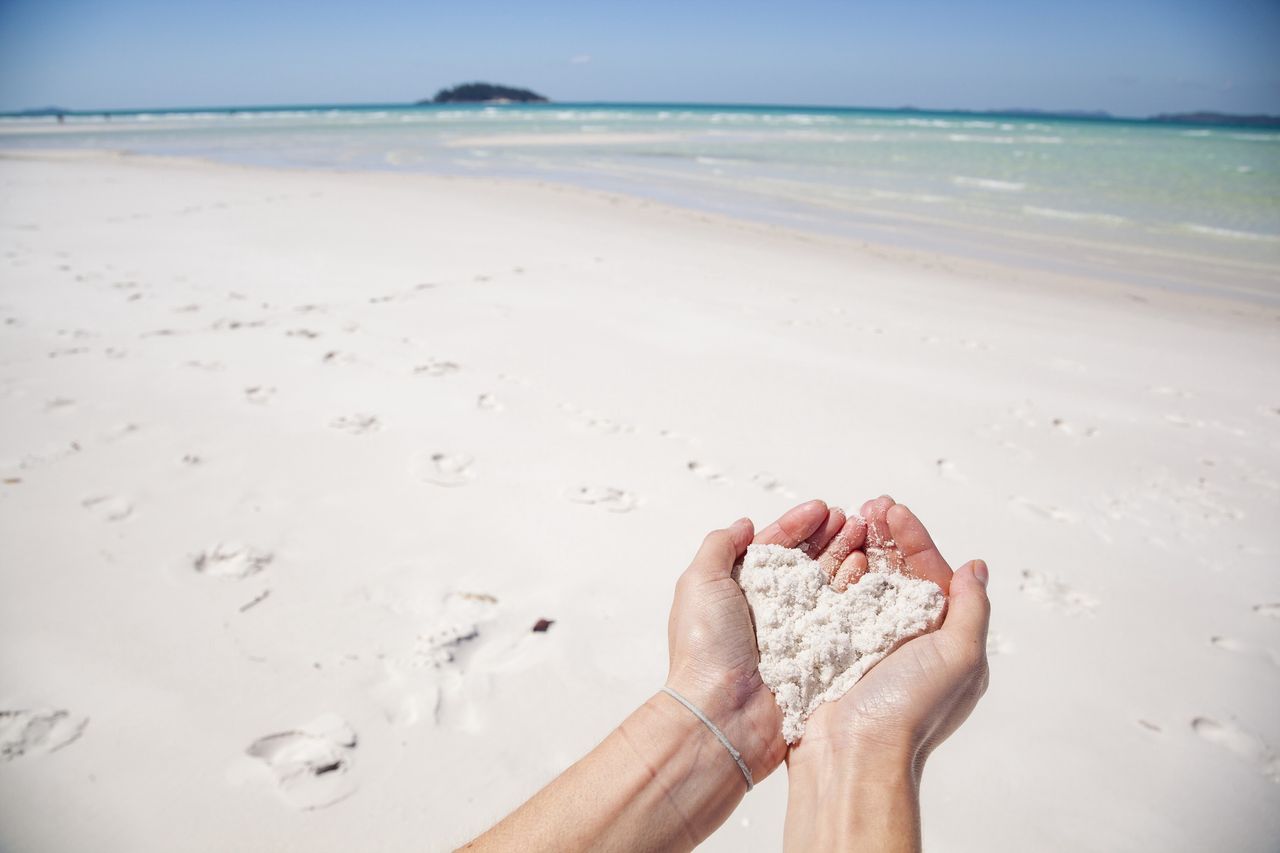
x: 1132, y: 57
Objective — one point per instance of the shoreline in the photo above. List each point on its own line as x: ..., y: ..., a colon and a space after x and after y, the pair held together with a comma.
x: 1014, y: 194
x: 1041, y: 269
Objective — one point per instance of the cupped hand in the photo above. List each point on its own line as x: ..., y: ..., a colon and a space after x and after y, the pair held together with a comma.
x: 714, y: 662
x: 918, y: 695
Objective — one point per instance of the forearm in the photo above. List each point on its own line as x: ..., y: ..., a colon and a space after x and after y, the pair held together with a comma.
x: 874, y: 805
x: 660, y: 781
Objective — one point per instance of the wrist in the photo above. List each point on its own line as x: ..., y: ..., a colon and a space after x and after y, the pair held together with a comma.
x: 867, y: 802
x: 854, y: 761
x: 743, y: 709
x: 700, y: 782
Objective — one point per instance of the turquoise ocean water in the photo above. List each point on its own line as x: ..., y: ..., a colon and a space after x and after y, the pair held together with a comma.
x: 1188, y: 208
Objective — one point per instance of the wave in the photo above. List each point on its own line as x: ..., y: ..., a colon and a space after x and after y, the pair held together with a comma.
x: 1073, y: 215
x: 1004, y: 140
x: 989, y: 184
x: 922, y: 197
x: 1230, y: 233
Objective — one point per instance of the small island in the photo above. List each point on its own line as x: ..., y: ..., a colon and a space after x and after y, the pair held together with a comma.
x: 485, y: 93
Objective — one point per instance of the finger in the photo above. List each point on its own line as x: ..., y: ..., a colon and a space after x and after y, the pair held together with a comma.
x: 850, y: 538
x: 721, y: 549
x: 874, y: 511
x: 815, y: 544
x: 881, y: 549
x: 850, y: 571
x: 968, y: 608
x: 916, y: 546
x: 796, y: 525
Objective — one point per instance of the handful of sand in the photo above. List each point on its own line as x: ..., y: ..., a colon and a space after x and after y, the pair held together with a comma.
x: 815, y: 643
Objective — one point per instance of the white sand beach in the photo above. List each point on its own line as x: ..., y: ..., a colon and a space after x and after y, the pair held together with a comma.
x: 292, y: 462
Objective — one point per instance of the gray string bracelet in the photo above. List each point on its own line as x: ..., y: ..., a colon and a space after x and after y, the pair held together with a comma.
x: 737, y: 756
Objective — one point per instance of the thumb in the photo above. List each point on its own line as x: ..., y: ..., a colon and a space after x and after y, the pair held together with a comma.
x: 721, y: 549
x: 968, y: 608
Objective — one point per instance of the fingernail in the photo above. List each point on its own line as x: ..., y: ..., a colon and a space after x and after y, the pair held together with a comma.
x: 743, y: 522
x: 980, y: 572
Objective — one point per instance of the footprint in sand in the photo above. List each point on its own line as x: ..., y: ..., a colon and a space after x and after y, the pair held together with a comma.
x: 231, y: 560
x: 1055, y: 594
x: 108, y: 507
x: 259, y: 394
x: 357, y: 424
x: 706, y: 472
x: 947, y: 470
x: 311, y: 764
x: 771, y: 484
x: 596, y: 422
x: 605, y: 497
x: 1270, y: 610
x: 27, y: 731
x: 1062, y: 426
x: 60, y: 353
x: 606, y: 426
x: 1240, y: 647
x: 1233, y: 738
x: 445, y: 469
x: 436, y: 367
x: 415, y: 686
x: 464, y: 614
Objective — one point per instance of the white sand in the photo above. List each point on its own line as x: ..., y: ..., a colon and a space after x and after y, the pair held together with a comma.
x: 816, y: 643
x: 255, y: 367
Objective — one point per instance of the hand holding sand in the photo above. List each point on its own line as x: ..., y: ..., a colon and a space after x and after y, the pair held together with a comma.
x: 668, y: 776
x: 855, y: 775
x: 711, y: 638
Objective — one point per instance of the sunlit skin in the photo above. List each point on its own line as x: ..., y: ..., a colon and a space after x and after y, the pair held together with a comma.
x: 661, y: 781
x: 855, y: 775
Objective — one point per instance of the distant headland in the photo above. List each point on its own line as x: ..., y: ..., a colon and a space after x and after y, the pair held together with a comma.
x: 479, y: 93
x: 1204, y: 117
x: 1218, y: 118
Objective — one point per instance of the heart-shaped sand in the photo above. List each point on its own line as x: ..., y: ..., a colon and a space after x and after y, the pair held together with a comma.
x: 815, y: 643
